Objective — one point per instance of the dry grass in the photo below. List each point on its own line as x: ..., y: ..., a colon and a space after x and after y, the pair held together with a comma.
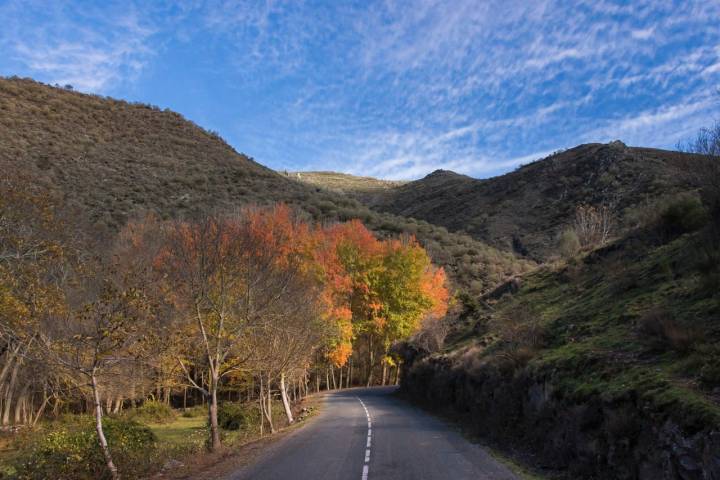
x: 344, y: 183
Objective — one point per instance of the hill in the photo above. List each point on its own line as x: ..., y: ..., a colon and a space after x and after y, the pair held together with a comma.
x: 525, y: 210
x: 362, y: 188
x: 113, y: 160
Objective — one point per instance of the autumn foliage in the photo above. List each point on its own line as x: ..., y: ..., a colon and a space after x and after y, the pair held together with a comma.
x: 265, y: 291
x: 260, y: 299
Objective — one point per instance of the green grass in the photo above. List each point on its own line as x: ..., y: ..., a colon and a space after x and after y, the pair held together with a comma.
x: 180, y: 432
x: 591, y: 310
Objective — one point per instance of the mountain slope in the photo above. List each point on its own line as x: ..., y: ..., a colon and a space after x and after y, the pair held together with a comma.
x: 113, y: 160
x: 525, y: 210
x: 605, y: 366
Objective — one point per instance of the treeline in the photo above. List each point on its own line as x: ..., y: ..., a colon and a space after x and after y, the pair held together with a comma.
x: 257, y: 304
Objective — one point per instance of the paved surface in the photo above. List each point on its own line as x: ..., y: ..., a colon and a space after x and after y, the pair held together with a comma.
x: 368, y: 434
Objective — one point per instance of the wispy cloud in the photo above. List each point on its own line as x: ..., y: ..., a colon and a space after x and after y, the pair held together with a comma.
x: 400, y: 88
x: 88, y: 48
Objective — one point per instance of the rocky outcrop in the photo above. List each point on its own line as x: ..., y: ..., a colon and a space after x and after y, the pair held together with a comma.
x: 593, y: 438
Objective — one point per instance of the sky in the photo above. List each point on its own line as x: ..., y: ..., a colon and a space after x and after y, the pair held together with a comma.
x: 391, y: 89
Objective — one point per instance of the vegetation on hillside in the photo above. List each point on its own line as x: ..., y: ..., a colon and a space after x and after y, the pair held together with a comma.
x: 114, y: 161
x: 526, y: 210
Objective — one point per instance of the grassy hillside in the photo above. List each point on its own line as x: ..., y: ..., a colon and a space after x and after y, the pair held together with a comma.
x: 604, y: 366
x: 112, y: 160
x: 525, y: 210
x: 363, y: 188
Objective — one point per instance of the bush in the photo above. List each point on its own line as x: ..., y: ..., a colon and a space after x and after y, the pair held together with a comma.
x: 685, y: 214
x: 152, y: 412
x: 194, y: 411
x: 667, y: 332
x: 568, y: 243
x: 69, y: 450
x: 238, y: 416
x: 709, y: 377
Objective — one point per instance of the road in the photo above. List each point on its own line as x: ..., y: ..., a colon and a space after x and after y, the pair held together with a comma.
x: 368, y: 434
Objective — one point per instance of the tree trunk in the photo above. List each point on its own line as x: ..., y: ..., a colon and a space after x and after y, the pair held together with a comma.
x: 397, y: 375
x: 118, y: 404
x: 349, y: 375
x: 20, y: 404
x: 9, y: 391
x: 384, y: 373
x: 261, y: 401
x: 341, y: 379
x: 212, y: 413
x: 327, y: 378
x: 286, y: 403
x: 268, y: 406
x: 46, y: 399
x: 99, y: 429
x: 371, y: 362
x: 11, y: 355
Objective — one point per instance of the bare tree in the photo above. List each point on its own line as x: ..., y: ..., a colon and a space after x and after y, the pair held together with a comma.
x: 98, y: 338
x: 592, y: 225
x: 704, y: 170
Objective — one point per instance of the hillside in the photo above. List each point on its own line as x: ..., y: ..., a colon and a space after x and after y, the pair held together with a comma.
x: 525, y: 210
x: 605, y: 366
x: 112, y: 160
x: 363, y: 188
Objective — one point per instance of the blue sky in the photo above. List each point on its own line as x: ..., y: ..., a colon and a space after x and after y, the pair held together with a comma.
x: 393, y: 89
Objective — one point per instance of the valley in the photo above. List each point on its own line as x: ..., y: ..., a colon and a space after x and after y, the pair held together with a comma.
x: 566, y: 313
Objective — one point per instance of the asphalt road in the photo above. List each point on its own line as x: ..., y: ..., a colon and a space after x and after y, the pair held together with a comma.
x: 368, y: 434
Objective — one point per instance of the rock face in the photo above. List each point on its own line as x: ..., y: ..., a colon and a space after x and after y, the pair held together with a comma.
x: 621, y: 439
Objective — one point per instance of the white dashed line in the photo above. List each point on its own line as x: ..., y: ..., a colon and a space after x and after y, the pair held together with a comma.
x: 366, y: 467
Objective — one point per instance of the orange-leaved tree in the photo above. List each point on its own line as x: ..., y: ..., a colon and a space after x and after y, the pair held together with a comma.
x: 394, y: 286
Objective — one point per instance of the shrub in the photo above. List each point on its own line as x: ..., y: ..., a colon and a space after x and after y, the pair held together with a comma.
x: 667, y: 332
x: 194, y: 411
x: 69, y: 449
x: 238, y: 416
x: 685, y: 214
x: 152, y: 412
x: 521, y: 327
x: 593, y: 225
x: 522, y: 333
x: 710, y: 374
x: 568, y: 243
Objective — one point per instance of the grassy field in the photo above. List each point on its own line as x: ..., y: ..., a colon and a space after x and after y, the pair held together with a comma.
x: 182, y: 433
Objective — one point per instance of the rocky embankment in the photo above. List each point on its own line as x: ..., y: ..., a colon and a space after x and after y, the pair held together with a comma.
x: 594, y: 438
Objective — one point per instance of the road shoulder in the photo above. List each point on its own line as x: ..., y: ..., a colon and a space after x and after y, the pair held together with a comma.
x: 232, y: 460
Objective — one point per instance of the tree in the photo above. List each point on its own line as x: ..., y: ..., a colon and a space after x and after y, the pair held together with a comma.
x: 592, y: 225
x: 231, y: 278
x: 394, y: 285
x: 705, y: 170
x: 98, y: 337
x: 32, y: 259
